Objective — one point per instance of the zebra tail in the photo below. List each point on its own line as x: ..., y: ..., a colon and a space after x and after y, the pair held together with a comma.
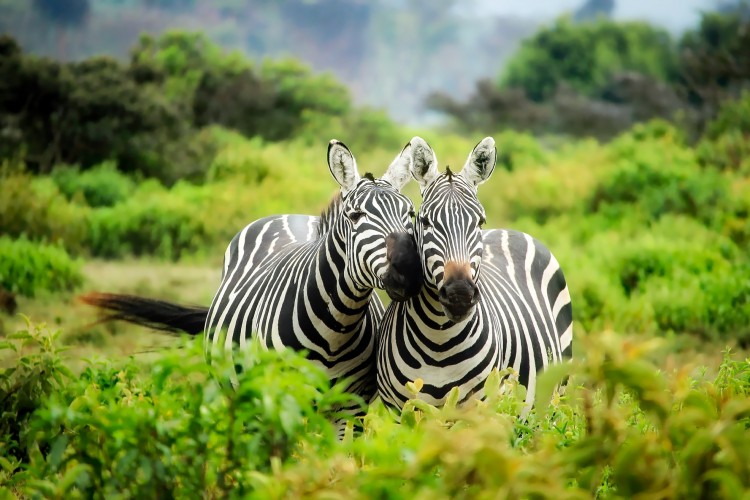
x: 151, y: 313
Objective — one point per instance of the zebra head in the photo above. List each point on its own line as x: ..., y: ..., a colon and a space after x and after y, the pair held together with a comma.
x: 376, y: 224
x: 449, y: 225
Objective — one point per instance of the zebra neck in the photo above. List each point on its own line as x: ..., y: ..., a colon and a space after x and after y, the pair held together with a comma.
x: 331, y: 291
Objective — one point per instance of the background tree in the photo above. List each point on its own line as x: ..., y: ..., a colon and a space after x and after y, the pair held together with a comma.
x: 584, y: 56
x: 715, y: 60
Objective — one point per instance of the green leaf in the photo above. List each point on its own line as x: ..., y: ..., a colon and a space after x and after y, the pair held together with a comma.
x: 451, y: 399
x: 548, y: 380
x: 56, y: 452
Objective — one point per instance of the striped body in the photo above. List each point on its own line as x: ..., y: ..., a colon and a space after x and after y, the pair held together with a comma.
x: 306, y: 283
x: 491, y: 299
x: 285, y: 284
x: 523, y: 320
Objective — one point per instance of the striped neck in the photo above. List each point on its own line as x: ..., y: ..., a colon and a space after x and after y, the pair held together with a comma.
x: 332, y: 293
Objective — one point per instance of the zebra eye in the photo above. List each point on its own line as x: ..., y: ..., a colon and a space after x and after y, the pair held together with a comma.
x: 482, y: 222
x: 355, y: 215
x: 425, y: 222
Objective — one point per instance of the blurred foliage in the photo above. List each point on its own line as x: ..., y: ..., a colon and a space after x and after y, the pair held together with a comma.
x: 28, y: 268
x: 586, y: 55
x: 726, y: 143
x: 598, y: 78
x: 146, y: 116
x: 155, y: 221
x: 35, y: 208
x: 714, y: 60
x: 101, y: 186
x: 623, y: 428
x: 358, y: 41
x: 82, y: 113
x: 659, y: 180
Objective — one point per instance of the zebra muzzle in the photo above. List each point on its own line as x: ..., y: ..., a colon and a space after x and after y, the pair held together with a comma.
x: 403, y: 278
x: 459, y: 293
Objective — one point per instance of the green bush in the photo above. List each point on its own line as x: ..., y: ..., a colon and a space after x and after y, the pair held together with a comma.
x: 623, y: 428
x: 652, y: 255
x: 35, y: 208
x: 659, y: 177
x: 362, y: 129
x: 101, y: 186
x: 37, y: 372
x: 28, y: 268
x: 88, y: 438
x: 726, y: 142
x: 246, y: 162
x: 713, y: 305
x: 155, y: 221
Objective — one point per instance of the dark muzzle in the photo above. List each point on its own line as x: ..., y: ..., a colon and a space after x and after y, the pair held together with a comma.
x: 458, y: 297
x: 403, y: 279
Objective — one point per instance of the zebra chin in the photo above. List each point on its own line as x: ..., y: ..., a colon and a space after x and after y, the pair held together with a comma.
x: 400, y: 287
x: 458, y: 299
x: 457, y: 317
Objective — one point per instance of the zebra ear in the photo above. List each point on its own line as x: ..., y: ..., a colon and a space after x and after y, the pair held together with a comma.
x: 424, y: 165
x: 481, y: 162
x: 398, y: 174
x: 343, y: 166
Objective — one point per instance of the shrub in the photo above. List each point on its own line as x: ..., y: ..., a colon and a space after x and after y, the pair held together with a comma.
x: 36, y: 373
x: 715, y: 305
x: 726, y: 143
x: 362, y: 129
x: 659, y: 177
x: 101, y: 186
x: 34, y: 207
x: 623, y: 427
x: 202, y: 437
x: 27, y: 268
x: 247, y: 162
x: 154, y: 221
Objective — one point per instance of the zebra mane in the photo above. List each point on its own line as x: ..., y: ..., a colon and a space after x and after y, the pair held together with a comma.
x: 329, y: 214
x: 449, y: 173
x: 369, y: 176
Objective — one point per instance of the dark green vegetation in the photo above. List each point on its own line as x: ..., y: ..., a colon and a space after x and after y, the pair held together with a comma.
x: 147, y: 115
x: 361, y: 42
x: 164, y: 158
x: 27, y: 268
x: 168, y: 429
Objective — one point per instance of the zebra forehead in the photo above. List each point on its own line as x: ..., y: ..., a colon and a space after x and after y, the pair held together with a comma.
x: 451, y: 196
x: 449, y: 184
x: 376, y: 191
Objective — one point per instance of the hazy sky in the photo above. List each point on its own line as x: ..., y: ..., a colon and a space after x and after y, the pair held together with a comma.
x: 672, y: 14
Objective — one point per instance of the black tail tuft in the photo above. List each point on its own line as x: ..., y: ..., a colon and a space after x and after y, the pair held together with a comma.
x: 152, y: 313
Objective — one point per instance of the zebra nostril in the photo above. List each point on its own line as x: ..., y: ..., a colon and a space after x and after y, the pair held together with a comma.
x: 475, y: 293
x: 443, y: 293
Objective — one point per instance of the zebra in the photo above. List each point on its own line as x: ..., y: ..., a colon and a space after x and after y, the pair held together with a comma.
x: 305, y: 282
x: 491, y: 298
